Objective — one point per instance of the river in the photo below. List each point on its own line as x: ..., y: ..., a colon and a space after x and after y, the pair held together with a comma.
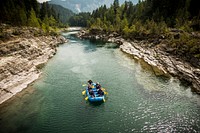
x: 137, y: 100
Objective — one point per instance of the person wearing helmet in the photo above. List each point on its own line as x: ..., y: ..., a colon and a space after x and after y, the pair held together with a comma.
x: 91, y: 92
x: 99, y: 90
x: 89, y: 84
x: 98, y: 86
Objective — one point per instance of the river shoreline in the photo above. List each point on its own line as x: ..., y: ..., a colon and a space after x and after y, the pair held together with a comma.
x: 154, y: 56
x: 22, y: 56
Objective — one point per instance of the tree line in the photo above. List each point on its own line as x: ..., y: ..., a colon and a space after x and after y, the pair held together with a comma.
x: 150, y: 16
x: 29, y: 13
x: 151, y: 19
x: 146, y: 17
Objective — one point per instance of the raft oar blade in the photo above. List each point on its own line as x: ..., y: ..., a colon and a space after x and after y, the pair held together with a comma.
x: 104, y: 100
x: 83, y: 92
x: 106, y: 93
x: 86, y: 98
x: 84, y: 85
x: 103, y: 89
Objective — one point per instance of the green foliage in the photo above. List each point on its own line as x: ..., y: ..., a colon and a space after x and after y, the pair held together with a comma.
x: 81, y: 19
x: 52, y: 21
x: 148, y: 17
x: 152, y: 18
x: 60, y: 13
x: 186, y: 45
x: 22, y: 17
x: 49, y: 24
x: 29, y: 13
x: 45, y: 24
x: 33, y: 20
x: 151, y: 27
x: 124, y: 24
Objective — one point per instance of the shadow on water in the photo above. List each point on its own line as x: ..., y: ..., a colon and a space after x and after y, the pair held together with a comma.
x: 94, y: 104
x: 98, y: 43
x: 89, y: 44
x: 90, y: 47
x: 101, y: 43
x: 72, y: 36
x: 111, y: 46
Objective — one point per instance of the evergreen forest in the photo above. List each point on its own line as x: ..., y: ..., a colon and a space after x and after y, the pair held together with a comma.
x: 177, y: 22
x: 33, y: 14
x: 147, y: 19
x: 152, y: 16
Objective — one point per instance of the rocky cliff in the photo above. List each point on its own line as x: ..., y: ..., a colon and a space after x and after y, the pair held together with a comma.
x: 22, y: 53
x: 154, y: 55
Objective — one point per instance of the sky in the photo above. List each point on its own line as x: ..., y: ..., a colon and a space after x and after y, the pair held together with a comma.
x: 42, y: 0
x: 83, y: 5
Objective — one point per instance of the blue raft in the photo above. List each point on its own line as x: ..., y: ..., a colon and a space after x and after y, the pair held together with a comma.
x: 97, y: 98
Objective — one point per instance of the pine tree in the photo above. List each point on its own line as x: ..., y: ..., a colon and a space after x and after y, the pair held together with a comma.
x: 33, y: 20
x: 52, y: 21
x: 116, y: 6
x: 43, y: 11
x: 22, y: 17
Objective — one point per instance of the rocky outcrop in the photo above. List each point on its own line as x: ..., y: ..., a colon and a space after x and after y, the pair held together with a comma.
x: 165, y: 62
x: 20, y: 60
x: 154, y: 56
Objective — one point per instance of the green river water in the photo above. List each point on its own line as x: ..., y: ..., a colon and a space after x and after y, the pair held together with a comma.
x: 137, y: 100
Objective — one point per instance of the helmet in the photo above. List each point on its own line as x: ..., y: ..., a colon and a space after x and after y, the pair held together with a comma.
x: 97, y: 83
x: 90, y: 81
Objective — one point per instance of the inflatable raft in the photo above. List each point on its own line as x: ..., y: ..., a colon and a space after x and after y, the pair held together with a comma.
x: 96, y: 97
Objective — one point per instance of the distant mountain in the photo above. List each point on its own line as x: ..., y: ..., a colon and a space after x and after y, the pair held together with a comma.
x: 63, y: 13
x: 85, y: 5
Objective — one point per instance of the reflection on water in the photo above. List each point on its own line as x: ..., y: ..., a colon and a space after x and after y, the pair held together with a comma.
x: 138, y: 100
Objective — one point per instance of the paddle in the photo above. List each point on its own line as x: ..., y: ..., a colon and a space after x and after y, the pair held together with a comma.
x: 84, y: 85
x: 106, y: 93
x: 86, y: 98
x: 104, y: 100
x: 83, y: 92
x: 103, y: 89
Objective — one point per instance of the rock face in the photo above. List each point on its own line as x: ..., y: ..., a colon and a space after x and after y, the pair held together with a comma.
x: 20, y: 60
x: 153, y: 56
x: 165, y: 62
